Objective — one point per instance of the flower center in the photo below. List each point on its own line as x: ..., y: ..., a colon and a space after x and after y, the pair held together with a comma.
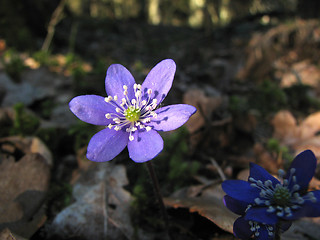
x: 281, y: 195
x: 132, y: 114
x: 282, y: 198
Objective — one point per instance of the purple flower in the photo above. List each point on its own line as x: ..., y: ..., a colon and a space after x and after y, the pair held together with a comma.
x: 245, y: 229
x: 130, y: 113
x: 269, y: 200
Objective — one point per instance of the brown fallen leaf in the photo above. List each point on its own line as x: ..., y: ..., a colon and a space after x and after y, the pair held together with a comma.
x: 298, y: 136
x: 26, y: 145
x: 198, y: 98
x: 24, y: 181
x: 101, y: 207
x: 209, y: 205
x: 23, y: 185
x: 301, y: 72
x: 6, y: 234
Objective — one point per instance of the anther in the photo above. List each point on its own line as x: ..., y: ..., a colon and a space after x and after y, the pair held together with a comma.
x: 108, y: 99
x: 138, y: 94
x: 295, y: 187
x: 268, y: 183
x: 281, y: 173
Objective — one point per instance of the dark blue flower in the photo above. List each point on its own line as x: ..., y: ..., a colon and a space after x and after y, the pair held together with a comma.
x: 131, y: 114
x: 245, y: 229
x: 270, y: 200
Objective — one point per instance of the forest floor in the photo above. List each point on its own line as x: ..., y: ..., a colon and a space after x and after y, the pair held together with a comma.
x: 256, y: 89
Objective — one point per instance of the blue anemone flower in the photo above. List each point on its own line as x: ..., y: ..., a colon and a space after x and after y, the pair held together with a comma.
x: 246, y: 229
x: 131, y: 113
x: 270, y: 200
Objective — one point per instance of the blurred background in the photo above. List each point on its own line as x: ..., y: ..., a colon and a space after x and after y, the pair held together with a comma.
x: 250, y: 67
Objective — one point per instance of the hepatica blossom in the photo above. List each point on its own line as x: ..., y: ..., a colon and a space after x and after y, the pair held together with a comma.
x: 245, y: 229
x: 267, y: 201
x: 131, y: 114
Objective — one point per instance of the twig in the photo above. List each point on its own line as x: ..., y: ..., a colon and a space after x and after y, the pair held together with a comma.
x: 216, y: 165
x: 157, y: 192
x: 55, y: 19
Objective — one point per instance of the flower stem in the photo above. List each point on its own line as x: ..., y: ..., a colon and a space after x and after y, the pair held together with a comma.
x: 156, y: 189
x: 277, y: 232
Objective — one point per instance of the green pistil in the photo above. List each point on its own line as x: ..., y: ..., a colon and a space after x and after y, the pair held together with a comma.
x: 132, y: 114
x: 281, y: 196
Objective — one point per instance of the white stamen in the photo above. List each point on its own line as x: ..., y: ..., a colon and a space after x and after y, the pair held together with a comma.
x: 122, y: 117
x: 281, y: 173
x: 138, y: 94
x: 108, y: 99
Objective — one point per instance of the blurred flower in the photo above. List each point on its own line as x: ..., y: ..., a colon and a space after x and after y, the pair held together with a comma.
x: 269, y: 200
x: 130, y: 113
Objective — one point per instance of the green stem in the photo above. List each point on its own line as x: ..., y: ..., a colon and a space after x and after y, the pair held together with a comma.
x: 156, y: 189
x: 277, y: 232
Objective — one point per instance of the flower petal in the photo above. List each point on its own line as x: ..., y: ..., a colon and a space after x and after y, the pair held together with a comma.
x: 240, y: 190
x: 91, y: 109
x: 236, y: 206
x: 305, y: 165
x: 106, y: 144
x: 171, y: 117
x: 145, y: 146
x: 160, y: 79
x: 241, y: 228
x: 259, y: 173
x: 308, y: 209
x: 260, y: 214
x: 117, y: 76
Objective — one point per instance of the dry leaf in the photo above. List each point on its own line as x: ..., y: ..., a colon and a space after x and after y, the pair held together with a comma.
x: 301, y: 72
x: 23, y: 185
x: 6, y: 234
x: 209, y: 205
x: 101, y: 207
x: 27, y: 145
x: 298, y: 137
x: 198, y: 98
